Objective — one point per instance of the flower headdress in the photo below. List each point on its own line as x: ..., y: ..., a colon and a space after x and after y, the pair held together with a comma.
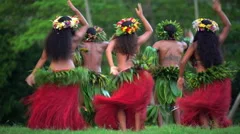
x: 98, y: 37
x: 73, y: 23
x: 163, y: 35
x: 132, y: 28
x: 199, y: 26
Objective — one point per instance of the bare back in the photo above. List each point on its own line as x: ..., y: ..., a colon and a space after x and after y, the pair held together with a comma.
x: 124, y: 61
x: 170, y: 52
x: 93, y: 58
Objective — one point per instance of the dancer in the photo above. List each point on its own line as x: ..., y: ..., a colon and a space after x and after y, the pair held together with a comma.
x: 55, y: 104
x: 170, y: 51
x: 126, y: 108
x: 94, y: 45
x: 89, y: 55
x: 30, y: 79
x: 211, y: 97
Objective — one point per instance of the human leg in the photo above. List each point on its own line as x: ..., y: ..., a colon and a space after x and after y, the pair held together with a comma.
x: 204, y: 120
x: 122, y: 119
x: 137, y: 121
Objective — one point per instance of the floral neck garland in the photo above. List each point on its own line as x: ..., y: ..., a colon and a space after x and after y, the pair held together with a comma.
x: 163, y: 35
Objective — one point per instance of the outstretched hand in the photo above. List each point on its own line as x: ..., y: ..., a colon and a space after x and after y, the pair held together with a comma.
x: 30, y: 80
x: 180, y: 83
x: 71, y: 5
x: 188, y: 33
x: 216, y: 5
x: 139, y: 10
x: 114, y: 70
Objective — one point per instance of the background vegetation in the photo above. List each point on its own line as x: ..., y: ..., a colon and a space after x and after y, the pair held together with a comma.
x: 25, y: 24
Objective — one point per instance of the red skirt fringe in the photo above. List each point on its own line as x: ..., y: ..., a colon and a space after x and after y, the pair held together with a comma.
x: 55, y: 107
x: 212, y: 100
x: 131, y: 97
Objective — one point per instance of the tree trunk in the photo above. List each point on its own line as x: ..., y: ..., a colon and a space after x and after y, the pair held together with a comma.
x: 234, y: 107
x: 148, y: 12
x: 196, y: 9
x: 88, y: 13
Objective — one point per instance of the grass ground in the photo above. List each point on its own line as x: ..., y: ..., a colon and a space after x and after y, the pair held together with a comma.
x: 169, y: 129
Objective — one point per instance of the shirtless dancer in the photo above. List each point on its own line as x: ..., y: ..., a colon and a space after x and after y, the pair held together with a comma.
x: 170, y: 51
x: 91, y: 49
x: 93, y: 57
x: 93, y: 44
x: 127, y: 106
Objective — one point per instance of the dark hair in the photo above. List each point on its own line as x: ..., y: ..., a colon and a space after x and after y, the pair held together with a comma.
x: 91, y: 31
x: 208, y: 47
x: 126, y: 43
x: 90, y: 34
x: 171, y: 30
x: 59, y: 42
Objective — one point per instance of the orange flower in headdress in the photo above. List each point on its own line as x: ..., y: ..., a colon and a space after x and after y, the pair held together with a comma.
x: 132, y: 28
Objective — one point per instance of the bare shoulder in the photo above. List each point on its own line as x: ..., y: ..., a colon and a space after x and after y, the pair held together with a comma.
x: 104, y: 43
x: 158, y: 44
x: 183, y: 44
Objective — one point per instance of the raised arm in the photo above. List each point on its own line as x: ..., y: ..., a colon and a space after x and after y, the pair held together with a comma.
x: 223, y: 35
x: 30, y: 79
x: 81, y: 31
x: 82, y: 20
x: 183, y: 63
x: 109, y: 50
x: 148, y: 28
x: 188, y: 39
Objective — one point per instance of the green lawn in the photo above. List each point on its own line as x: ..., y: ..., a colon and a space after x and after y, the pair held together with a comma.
x: 170, y: 129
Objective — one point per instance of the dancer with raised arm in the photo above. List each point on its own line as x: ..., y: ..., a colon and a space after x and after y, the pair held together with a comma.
x: 89, y: 55
x: 210, y: 100
x: 126, y: 108
x: 55, y: 104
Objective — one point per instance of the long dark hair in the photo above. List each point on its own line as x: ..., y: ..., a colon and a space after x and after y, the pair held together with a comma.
x: 208, y: 47
x: 126, y: 43
x: 59, y: 42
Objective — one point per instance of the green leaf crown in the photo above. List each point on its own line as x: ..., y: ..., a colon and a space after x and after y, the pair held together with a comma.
x: 163, y: 35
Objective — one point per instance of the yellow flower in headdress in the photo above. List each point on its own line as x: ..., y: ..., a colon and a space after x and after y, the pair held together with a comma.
x: 124, y: 28
x: 132, y: 28
x: 202, y: 25
x: 73, y: 23
x: 199, y: 25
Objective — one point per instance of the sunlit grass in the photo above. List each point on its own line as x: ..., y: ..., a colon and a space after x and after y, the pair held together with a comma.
x: 168, y: 129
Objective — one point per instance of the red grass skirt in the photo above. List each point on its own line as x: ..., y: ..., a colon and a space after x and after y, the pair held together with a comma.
x: 212, y: 100
x: 55, y: 107
x: 131, y: 97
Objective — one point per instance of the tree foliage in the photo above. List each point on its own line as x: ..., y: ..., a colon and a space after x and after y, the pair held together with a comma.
x: 26, y: 23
